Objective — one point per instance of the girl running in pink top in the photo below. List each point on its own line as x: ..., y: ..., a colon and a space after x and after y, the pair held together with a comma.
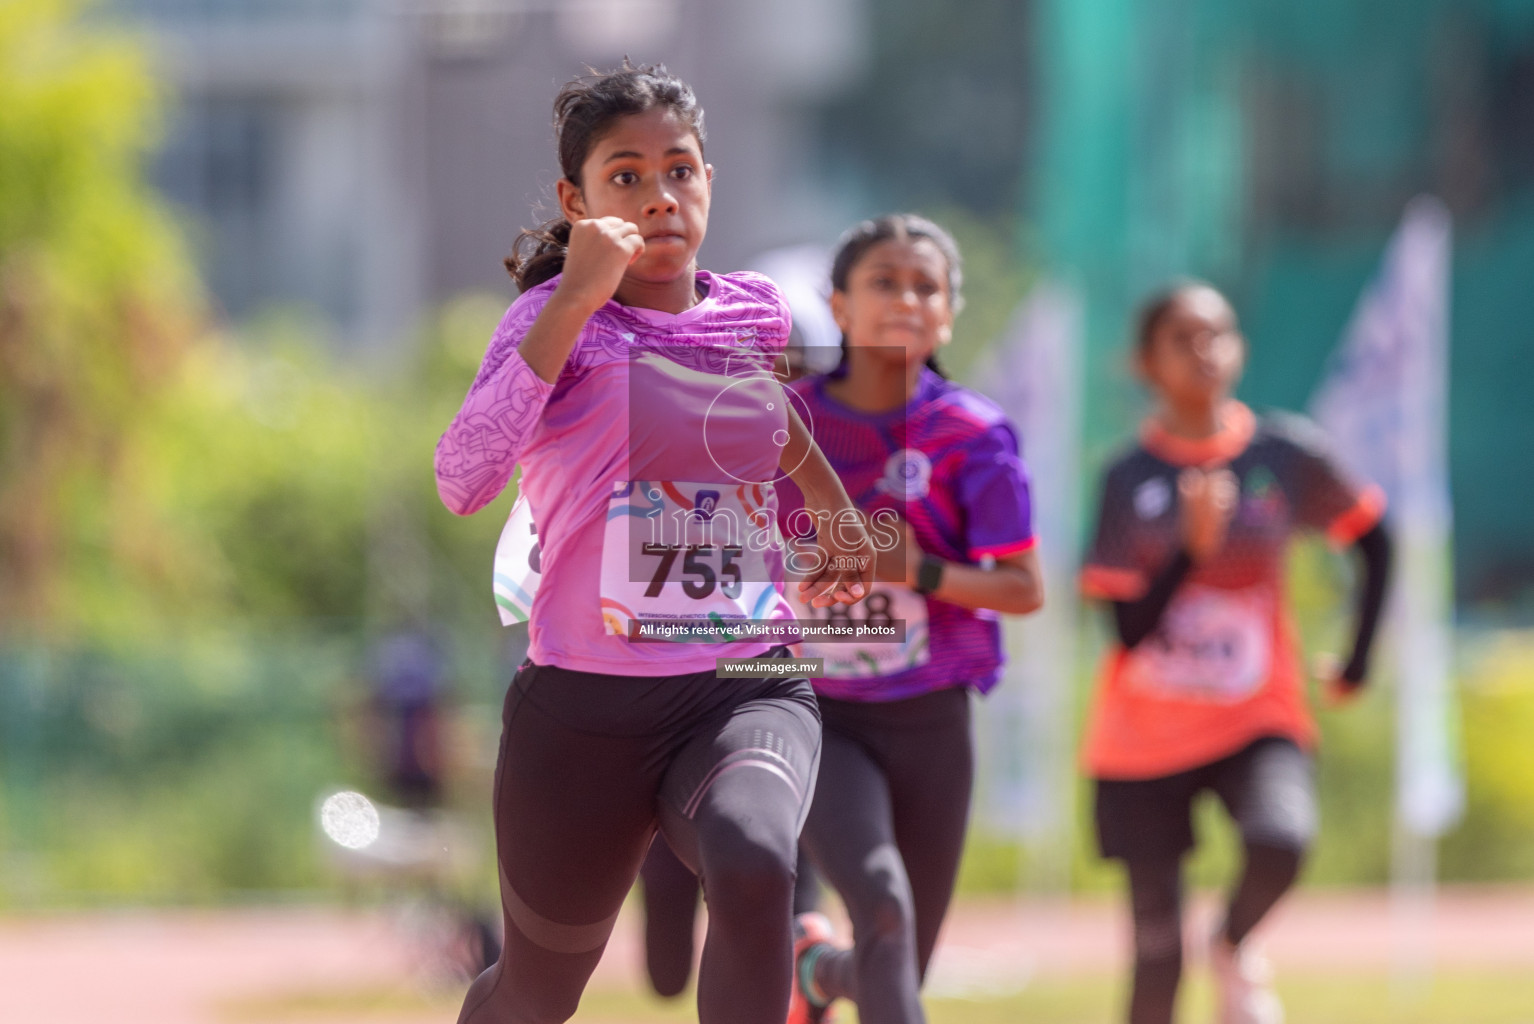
x: 634, y: 390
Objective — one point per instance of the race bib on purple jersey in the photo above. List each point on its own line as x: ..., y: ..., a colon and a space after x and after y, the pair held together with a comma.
x: 885, y: 605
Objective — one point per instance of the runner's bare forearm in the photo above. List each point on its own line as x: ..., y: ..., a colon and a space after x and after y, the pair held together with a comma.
x: 847, y: 562
x: 807, y: 467
x: 1014, y: 585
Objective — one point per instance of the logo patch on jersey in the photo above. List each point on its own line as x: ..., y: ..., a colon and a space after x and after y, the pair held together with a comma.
x: 1260, y: 494
x: 704, y: 503
x: 1153, y: 497
x: 1259, y: 482
x: 907, y: 474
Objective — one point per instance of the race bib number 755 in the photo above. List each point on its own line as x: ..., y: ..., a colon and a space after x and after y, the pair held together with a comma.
x: 677, y: 552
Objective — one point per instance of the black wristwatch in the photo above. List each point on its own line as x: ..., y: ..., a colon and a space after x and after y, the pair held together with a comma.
x: 930, y: 576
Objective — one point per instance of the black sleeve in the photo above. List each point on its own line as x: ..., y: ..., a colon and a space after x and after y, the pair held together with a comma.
x: 1113, y: 539
x: 1138, y: 618
x: 1374, y: 549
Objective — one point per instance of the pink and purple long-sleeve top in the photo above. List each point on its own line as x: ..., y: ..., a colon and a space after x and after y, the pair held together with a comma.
x: 640, y: 398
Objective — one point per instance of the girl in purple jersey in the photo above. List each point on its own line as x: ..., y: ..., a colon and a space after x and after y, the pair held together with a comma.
x: 592, y: 385
x: 939, y: 466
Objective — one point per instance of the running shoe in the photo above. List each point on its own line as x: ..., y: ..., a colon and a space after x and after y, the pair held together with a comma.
x: 812, y: 934
x: 1243, y: 981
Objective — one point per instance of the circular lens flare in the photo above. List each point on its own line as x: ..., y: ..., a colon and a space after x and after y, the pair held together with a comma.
x: 350, y: 819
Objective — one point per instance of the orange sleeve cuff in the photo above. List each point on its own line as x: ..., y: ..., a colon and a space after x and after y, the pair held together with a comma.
x: 1109, y: 584
x: 1358, y: 520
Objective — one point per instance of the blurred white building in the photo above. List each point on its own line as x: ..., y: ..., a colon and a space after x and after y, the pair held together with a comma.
x: 360, y: 159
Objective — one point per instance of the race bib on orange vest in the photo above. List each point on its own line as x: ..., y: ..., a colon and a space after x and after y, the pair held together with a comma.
x: 1212, y: 644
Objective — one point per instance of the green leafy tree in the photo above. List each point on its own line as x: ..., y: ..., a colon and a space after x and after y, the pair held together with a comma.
x: 97, y: 306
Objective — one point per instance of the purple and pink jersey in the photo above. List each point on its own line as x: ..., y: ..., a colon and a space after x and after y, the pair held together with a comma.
x: 599, y: 426
x: 949, y: 464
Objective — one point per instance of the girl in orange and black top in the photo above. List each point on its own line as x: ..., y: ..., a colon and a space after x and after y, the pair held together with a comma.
x: 1203, y: 689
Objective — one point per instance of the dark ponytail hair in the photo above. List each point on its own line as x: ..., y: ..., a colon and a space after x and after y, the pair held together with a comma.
x: 864, y: 235
x: 584, y: 110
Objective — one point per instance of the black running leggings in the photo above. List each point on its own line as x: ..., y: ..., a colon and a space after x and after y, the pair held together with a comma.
x: 886, y: 830
x: 1268, y: 790
x: 670, y: 893
x: 1155, y: 891
x: 590, y: 765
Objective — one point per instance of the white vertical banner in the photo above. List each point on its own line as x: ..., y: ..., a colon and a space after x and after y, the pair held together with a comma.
x: 1027, y: 727
x: 1384, y: 401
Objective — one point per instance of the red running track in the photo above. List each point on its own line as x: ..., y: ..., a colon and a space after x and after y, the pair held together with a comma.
x: 212, y: 967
